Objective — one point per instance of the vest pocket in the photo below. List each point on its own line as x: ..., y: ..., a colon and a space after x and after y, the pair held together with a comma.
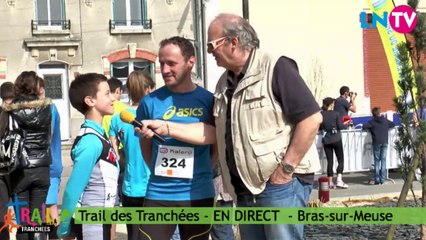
x: 266, y: 149
x: 255, y: 97
x: 265, y: 136
x: 257, y: 103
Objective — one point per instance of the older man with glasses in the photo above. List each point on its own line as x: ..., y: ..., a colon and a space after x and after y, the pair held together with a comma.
x: 266, y: 122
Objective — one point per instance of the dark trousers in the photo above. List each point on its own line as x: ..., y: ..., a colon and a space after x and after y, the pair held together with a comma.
x: 186, y: 231
x: 31, y: 186
x: 4, y: 199
x: 329, y: 149
x: 133, y: 232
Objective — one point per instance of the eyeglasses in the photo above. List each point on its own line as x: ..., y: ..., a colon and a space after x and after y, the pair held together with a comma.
x: 212, y: 45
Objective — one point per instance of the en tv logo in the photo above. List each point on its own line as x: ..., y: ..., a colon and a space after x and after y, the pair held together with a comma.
x: 402, y: 19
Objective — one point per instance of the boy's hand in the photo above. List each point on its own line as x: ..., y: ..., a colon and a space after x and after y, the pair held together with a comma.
x: 54, y: 214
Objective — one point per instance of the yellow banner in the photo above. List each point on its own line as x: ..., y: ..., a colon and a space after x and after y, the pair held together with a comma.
x: 390, y: 39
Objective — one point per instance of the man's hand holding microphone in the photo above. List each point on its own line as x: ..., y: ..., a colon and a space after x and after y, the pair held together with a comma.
x: 148, y: 128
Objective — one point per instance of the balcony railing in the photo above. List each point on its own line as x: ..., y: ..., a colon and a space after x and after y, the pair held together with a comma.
x: 130, y: 26
x: 50, y: 26
x: 62, y: 24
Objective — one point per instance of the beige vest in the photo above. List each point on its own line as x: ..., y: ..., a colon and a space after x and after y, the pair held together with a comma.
x: 260, y: 132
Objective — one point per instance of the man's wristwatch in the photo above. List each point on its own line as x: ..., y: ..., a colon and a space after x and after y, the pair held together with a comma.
x: 287, y: 168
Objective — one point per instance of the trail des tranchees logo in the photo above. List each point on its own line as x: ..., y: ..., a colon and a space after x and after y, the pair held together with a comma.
x: 402, y: 19
x: 23, y: 220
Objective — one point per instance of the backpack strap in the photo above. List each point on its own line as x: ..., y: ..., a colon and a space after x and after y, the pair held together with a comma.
x: 13, y: 124
x: 107, y: 149
x: 4, y: 122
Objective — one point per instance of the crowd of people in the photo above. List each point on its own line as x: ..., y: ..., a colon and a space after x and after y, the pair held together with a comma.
x: 250, y: 144
x: 335, y: 118
x: 36, y: 183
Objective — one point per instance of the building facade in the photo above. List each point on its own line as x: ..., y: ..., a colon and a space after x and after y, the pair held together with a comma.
x: 60, y: 39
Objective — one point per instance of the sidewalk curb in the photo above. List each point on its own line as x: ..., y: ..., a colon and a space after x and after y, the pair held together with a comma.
x: 393, y: 195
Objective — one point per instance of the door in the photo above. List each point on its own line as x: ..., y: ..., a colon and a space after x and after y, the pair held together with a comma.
x: 55, y: 77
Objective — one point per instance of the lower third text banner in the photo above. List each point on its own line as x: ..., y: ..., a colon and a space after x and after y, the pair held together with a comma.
x: 239, y: 215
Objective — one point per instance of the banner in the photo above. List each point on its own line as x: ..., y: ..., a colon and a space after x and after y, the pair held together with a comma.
x: 216, y: 215
x: 390, y: 39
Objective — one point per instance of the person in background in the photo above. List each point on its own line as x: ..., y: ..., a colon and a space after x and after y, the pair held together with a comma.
x: 94, y: 177
x: 116, y: 89
x: 34, y: 116
x: 332, y: 141
x: 342, y: 106
x: 223, y: 199
x: 379, y: 127
x: 7, y: 95
x: 56, y: 165
x: 136, y: 173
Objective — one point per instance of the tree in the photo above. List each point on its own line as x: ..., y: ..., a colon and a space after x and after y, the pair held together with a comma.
x: 315, y: 79
x: 412, y: 137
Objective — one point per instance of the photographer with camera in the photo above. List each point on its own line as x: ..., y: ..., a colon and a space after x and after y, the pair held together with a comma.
x: 342, y: 106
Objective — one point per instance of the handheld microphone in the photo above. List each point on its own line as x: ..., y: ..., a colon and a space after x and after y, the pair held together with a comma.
x: 128, y: 117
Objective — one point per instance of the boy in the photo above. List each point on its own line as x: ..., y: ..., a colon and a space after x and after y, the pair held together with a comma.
x: 379, y: 127
x: 93, y: 181
x: 116, y: 89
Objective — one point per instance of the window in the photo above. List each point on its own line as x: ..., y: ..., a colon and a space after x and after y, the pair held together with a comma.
x: 53, y: 84
x: 130, y: 13
x: 53, y: 74
x: 50, y: 13
x: 123, y: 68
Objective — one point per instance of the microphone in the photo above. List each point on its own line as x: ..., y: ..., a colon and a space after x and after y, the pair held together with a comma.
x: 128, y: 117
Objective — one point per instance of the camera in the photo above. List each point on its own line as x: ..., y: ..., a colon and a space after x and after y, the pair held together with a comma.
x: 352, y: 94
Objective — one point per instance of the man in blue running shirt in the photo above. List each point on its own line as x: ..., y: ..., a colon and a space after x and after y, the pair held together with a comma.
x: 181, y: 171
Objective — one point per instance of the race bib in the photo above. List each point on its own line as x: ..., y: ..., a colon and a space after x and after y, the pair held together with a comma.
x: 173, y: 161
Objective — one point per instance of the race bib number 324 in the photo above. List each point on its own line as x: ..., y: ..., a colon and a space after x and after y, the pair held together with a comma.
x: 174, y: 161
